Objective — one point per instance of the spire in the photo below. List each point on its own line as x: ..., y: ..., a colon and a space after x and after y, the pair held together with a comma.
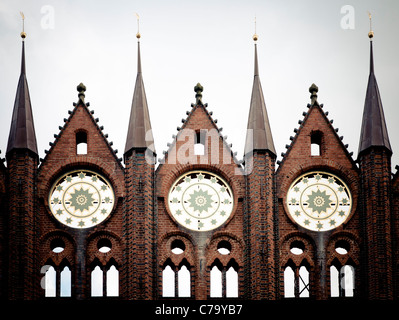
x: 374, y: 131
x: 258, y: 121
x: 22, y: 131
x: 139, y: 134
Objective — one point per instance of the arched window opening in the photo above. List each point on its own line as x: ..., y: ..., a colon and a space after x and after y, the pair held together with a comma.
x: 216, y: 290
x: 342, y: 282
x: 296, y: 281
x: 184, y: 282
x: 342, y: 247
x: 315, y: 143
x: 97, y: 282
x: 347, y: 280
x: 303, y: 282
x: 334, y: 281
x: 168, y: 282
x: 224, y: 281
x: 81, y: 142
x: 57, y: 245
x: 297, y: 247
x: 199, y: 142
x: 289, y: 283
x: 231, y: 283
x: 177, y: 246
x: 50, y: 282
x: 112, y: 282
x: 104, y: 245
x: 224, y: 247
x: 65, y: 282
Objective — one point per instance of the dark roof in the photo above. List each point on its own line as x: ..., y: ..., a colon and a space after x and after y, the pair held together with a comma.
x: 258, y: 120
x: 139, y: 134
x: 374, y: 131
x: 22, y: 132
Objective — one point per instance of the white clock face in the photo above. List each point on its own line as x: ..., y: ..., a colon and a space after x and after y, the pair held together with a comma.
x: 319, y: 201
x: 81, y: 199
x: 200, y: 200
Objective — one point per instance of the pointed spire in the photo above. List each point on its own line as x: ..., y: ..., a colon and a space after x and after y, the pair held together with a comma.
x: 374, y: 131
x: 139, y: 134
x: 22, y: 131
x: 259, y: 135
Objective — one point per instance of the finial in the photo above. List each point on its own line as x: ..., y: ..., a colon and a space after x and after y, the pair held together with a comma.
x: 198, y: 89
x: 138, y: 35
x: 313, y: 92
x: 81, y: 89
x: 23, y: 33
x: 371, y: 33
x: 255, y: 36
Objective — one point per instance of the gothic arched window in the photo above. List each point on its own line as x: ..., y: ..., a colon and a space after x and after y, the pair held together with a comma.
x: 57, y: 280
x: 296, y: 281
x: 342, y: 281
x: 176, y: 282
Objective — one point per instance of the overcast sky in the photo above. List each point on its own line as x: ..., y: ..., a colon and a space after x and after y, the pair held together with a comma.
x: 185, y: 42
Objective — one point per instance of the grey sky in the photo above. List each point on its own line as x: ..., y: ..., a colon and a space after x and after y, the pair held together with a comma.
x: 185, y: 42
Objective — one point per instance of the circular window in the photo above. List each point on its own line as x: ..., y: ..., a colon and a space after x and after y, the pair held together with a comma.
x: 200, y: 201
x: 177, y: 246
x: 57, y: 245
x: 297, y: 247
x: 104, y: 245
x: 224, y: 247
x: 81, y: 199
x: 342, y: 247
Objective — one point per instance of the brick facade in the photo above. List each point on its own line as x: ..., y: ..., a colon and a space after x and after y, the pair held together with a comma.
x: 141, y: 232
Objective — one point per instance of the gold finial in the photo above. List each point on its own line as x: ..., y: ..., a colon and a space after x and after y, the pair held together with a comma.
x: 255, y: 36
x: 138, y: 27
x: 371, y: 33
x: 23, y: 33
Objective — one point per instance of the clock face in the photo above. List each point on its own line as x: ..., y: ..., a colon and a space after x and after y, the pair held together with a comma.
x: 319, y: 201
x: 81, y: 199
x: 200, y: 201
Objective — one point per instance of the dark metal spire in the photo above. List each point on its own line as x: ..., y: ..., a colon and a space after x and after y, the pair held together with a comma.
x: 22, y: 131
x: 374, y: 131
x: 259, y: 135
x: 139, y: 134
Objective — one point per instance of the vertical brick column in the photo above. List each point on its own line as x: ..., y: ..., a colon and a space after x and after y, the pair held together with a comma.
x: 22, y: 166
x: 139, y: 227
x: 375, y: 167
x: 260, y: 226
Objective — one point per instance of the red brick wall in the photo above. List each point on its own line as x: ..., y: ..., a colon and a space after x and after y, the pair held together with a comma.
x: 319, y: 247
x: 375, y: 166
x: 81, y: 249
x: 201, y: 246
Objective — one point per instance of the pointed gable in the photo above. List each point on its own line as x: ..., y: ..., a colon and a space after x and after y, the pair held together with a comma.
x: 199, y: 128
x: 139, y: 135
x: 22, y: 131
x: 259, y: 136
x: 316, y: 129
x: 81, y: 127
x: 374, y: 131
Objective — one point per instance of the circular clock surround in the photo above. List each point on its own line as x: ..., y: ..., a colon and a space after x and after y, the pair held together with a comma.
x: 200, y: 200
x: 319, y: 201
x: 81, y: 199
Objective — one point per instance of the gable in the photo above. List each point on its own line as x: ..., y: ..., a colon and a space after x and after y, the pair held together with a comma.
x: 198, y: 144
x: 332, y: 154
x: 64, y: 154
